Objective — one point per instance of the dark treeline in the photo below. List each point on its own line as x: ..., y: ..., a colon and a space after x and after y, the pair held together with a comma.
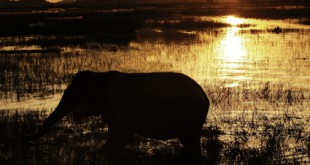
x: 116, y: 28
x: 24, y: 3
x: 31, y: 3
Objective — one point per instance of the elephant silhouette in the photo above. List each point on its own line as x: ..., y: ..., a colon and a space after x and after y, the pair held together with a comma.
x: 161, y: 105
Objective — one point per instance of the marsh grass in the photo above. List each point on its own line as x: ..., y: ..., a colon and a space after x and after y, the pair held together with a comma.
x: 261, y: 126
x: 257, y: 131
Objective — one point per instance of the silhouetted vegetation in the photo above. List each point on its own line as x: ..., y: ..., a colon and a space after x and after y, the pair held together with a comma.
x: 226, y: 137
x: 76, y: 27
x: 23, y: 3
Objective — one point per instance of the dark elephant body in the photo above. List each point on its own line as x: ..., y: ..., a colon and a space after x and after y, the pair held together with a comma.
x: 155, y: 105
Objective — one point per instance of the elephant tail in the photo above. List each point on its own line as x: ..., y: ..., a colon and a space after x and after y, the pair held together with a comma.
x: 60, y: 111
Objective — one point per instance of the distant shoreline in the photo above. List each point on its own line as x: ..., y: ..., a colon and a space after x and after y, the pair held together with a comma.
x: 44, y: 4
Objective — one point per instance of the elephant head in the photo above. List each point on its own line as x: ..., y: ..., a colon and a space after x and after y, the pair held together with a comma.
x: 77, y: 99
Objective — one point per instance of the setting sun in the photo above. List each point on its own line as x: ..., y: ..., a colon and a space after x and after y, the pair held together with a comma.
x: 234, y: 21
x: 53, y: 1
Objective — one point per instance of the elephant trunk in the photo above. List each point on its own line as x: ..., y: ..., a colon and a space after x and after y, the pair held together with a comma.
x: 60, y: 111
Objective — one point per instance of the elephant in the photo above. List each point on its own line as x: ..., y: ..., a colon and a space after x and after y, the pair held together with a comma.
x: 159, y: 105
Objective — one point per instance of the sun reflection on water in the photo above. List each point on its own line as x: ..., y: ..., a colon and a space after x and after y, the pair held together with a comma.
x: 232, y: 46
x: 232, y: 52
x: 232, y: 20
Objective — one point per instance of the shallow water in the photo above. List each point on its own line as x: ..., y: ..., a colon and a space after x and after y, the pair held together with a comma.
x: 225, y: 48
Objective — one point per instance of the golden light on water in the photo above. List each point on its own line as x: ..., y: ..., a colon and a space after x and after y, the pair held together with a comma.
x: 232, y: 46
x: 232, y: 52
x: 234, y: 20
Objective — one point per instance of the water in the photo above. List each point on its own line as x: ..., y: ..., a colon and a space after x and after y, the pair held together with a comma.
x: 225, y: 48
x: 254, y: 68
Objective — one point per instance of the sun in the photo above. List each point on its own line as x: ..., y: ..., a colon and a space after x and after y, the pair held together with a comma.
x: 233, y: 20
x: 53, y: 1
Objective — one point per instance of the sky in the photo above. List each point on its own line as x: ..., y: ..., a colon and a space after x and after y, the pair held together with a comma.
x: 55, y: 1
x: 68, y: 1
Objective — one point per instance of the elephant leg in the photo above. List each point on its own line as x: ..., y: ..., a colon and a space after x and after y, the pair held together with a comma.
x: 117, y: 140
x: 191, y: 149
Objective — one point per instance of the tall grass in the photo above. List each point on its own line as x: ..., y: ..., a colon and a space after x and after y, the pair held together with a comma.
x: 267, y: 125
x: 259, y: 131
